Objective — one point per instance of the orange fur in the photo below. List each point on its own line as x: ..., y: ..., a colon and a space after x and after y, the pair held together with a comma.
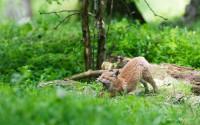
x: 135, y: 70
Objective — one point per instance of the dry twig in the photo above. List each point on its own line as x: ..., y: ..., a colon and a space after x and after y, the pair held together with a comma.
x: 154, y: 13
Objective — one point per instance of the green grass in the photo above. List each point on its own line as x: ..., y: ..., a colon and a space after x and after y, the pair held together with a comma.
x: 81, y: 105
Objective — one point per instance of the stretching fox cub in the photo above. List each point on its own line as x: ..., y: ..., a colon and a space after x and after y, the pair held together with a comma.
x: 136, y: 70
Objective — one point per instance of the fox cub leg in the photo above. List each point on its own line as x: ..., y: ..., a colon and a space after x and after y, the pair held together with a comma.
x: 148, y: 78
x: 145, y: 85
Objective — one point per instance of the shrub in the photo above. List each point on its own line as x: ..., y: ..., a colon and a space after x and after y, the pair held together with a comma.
x: 33, y: 52
x: 156, y: 43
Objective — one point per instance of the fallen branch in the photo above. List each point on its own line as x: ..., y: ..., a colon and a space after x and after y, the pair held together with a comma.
x: 164, y: 74
x: 87, y: 74
x: 57, y: 83
x: 71, y: 80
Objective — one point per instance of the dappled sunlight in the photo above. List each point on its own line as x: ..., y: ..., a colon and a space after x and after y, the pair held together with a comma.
x: 166, y: 8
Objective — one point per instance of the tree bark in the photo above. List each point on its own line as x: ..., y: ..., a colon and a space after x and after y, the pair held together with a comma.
x: 87, y: 74
x: 86, y: 35
x: 19, y: 12
x: 27, y: 6
x: 101, y: 49
x: 192, y: 11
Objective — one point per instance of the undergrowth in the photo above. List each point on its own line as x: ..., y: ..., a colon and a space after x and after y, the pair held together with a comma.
x: 35, y: 51
x: 82, y: 105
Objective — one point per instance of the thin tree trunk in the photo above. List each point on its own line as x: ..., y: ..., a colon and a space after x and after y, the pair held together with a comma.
x: 192, y: 11
x: 27, y: 7
x: 86, y: 35
x: 101, y: 33
x: 20, y: 11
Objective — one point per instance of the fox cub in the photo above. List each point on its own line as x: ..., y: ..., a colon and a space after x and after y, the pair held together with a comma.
x: 126, y: 79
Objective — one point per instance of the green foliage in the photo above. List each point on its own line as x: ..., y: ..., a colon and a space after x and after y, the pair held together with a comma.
x: 156, y: 43
x: 81, y: 105
x: 36, y: 51
x: 57, y: 1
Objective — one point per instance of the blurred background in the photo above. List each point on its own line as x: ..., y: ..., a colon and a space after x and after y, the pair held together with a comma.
x: 20, y: 10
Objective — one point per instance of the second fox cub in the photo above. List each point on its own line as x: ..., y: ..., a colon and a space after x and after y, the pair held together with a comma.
x: 136, y: 70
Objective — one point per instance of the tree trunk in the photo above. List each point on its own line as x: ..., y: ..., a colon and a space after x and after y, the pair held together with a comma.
x: 86, y: 35
x: 21, y: 13
x: 192, y: 11
x: 121, y: 9
x: 27, y: 6
x: 101, y: 33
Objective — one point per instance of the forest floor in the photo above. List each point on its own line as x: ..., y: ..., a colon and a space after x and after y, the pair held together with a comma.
x: 81, y: 103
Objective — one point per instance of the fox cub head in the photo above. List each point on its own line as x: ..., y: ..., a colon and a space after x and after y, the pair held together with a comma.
x: 107, y: 78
